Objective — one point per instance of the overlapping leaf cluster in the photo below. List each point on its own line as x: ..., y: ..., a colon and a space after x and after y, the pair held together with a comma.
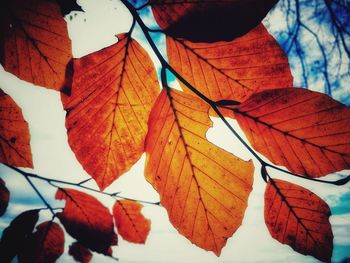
x: 219, y: 51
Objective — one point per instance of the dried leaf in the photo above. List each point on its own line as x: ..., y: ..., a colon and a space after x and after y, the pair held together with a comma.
x: 209, y: 20
x: 305, y: 131
x: 231, y: 70
x: 15, y: 234
x: 80, y: 253
x: 204, y: 188
x: 87, y: 220
x: 14, y: 134
x: 4, y: 197
x: 299, y: 218
x: 45, y: 245
x: 130, y: 222
x: 34, y: 42
x: 112, y: 94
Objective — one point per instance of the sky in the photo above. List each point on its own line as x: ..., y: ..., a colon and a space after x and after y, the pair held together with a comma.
x: 52, y: 157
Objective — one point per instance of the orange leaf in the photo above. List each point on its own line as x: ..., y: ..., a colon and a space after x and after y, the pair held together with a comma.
x: 80, y: 253
x: 4, y: 197
x: 204, y: 188
x: 34, y: 42
x: 87, y: 220
x: 231, y: 70
x: 131, y: 224
x: 13, y: 237
x: 14, y: 134
x: 45, y: 245
x: 299, y: 218
x: 209, y: 21
x: 112, y: 94
x: 305, y: 131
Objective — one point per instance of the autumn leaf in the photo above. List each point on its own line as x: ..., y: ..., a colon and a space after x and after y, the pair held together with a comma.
x: 209, y: 20
x: 231, y: 70
x: 305, y: 131
x: 4, y: 197
x: 130, y: 222
x: 14, y: 134
x: 203, y: 188
x: 80, y: 253
x: 87, y: 220
x: 34, y: 42
x: 112, y: 94
x: 299, y: 218
x: 15, y: 234
x: 43, y: 246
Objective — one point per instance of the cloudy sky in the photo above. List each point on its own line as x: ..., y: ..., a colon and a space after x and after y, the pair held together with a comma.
x: 42, y: 108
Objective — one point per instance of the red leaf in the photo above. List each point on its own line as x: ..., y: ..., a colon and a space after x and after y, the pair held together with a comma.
x: 208, y: 20
x: 80, y: 253
x: 14, y: 134
x: 112, y: 94
x: 297, y: 217
x: 34, y: 42
x: 131, y: 224
x: 87, y: 220
x: 15, y: 234
x: 231, y: 70
x: 4, y: 197
x: 307, y: 132
x: 45, y: 245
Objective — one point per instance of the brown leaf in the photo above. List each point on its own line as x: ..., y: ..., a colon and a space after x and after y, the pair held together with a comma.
x: 34, y: 42
x: 305, y: 131
x: 299, y: 218
x: 15, y: 234
x: 209, y: 20
x: 4, y: 197
x: 204, y: 188
x: 80, y: 253
x: 45, y: 245
x: 231, y: 70
x: 112, y: 94
x: 14, y: 134
x: 87, y: 220
x: 130, y: 222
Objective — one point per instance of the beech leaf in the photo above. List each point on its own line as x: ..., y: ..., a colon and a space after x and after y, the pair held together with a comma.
x: 112, y: 94
x: 297, y: 217
x: 14, y: 236
x: 45, y: 245
x: 4, y: 197
x: 204, y: 188
x: 209, y: 20
x: 87, y: 220
x: 14, y: 134
x: 306, y: 131
x: 130, y: 222
x: 34, y: 42
x: 231, y: 70
x: 80, y: 253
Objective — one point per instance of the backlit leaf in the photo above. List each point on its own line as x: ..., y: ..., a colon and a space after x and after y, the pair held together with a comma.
x: 209, y: 20
x: 305, y: 131
x: 203, y: 188
x: 87, y: 220
x: 299, y: 218
x: 80, y: 253
x: 45, y: 245
x: 15, y: 234
x: 112, y: 94
x: 130, y: 222
x: 231, y: 70
x: 34, y: 42
x: 14, y: 134
x: 4, y: 197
